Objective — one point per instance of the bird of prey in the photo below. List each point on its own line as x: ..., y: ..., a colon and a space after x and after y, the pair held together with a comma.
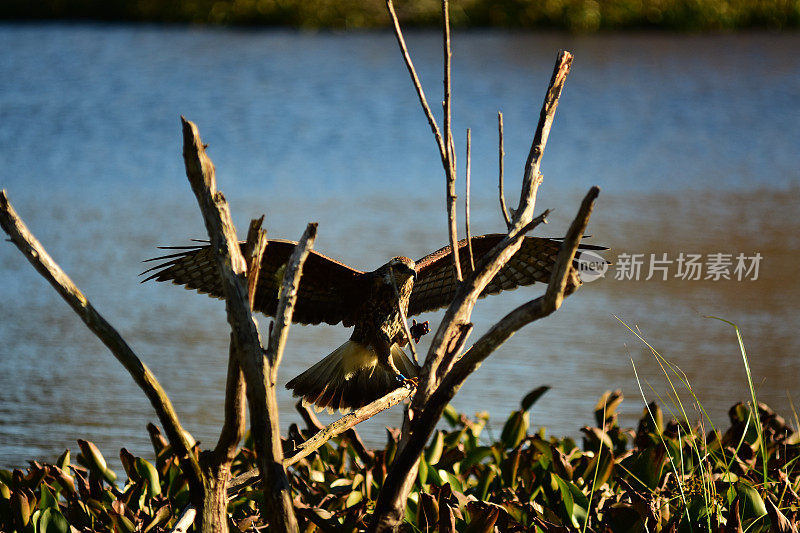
x: 372, y: 362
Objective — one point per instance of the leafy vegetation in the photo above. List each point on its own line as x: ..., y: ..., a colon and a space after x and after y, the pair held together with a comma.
x: 573, y: 15
x: 664, y: 476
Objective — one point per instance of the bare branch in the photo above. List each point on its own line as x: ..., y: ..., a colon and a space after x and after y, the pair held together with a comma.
x: 404, y: 319
x: 406, y: 459
x: 459, y: 311
x: 535, y: 309
x: 49, y: 269
x: 185, y: 520
x: 448, y: 98
x: 531, y: 176
x: 417, y: 85
x: 501, y: 156
x: 452, y: 226
x: 233, y: 427
x: 348, y: 421
x: 253, y: 251
x: 250, y: 354
x: 325, y: 433
x: 466, y: 201
x: 313, y: 424
x: 445, y: 144
x: 289, y: 286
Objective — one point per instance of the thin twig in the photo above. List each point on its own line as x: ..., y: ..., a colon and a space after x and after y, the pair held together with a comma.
x: 450, y: 166
x: 447, y: 102
x: 501, y: 157
x: 466, y: 202
x: 30, y: 247
x: 404, y: 319
x: 417, y: 85
x: 445, y: 144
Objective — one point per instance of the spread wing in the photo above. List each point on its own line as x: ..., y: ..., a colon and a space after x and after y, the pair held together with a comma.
x: 436, y: 285
x: 328, y: 289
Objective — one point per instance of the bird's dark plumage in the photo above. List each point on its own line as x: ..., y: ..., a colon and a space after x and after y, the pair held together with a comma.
x: 365, y: 367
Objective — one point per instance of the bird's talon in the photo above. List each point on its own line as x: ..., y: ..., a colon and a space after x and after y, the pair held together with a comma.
x: 409, y: 383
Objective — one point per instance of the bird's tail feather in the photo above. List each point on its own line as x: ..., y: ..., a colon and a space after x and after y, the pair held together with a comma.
x: 350, y: 377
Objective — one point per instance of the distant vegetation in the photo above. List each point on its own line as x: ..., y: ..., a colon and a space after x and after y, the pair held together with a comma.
x: 572, y: 15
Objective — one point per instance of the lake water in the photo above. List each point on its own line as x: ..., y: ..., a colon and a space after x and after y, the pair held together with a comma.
x: 694, y: 140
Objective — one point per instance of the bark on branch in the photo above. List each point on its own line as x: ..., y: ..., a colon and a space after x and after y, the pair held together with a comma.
x: 531, y: 177
x: 346, y: 422
x: 247, y: 341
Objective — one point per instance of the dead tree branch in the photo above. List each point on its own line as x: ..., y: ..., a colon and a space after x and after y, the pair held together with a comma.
x: 346, y: 422
x: 417, y: 85
x: 391, y: 499
x: 466, y: 201
x: 250, y: 354
x: 531, y: 175
x: 443, y: 373
x: 501, y: 156
x: 49, y: 269
x: 233, y: 427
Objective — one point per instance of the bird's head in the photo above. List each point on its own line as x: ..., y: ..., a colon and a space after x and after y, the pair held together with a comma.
x: 402, y: 268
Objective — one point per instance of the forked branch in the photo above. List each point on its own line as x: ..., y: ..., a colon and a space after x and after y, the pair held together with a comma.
x: 249, y: 350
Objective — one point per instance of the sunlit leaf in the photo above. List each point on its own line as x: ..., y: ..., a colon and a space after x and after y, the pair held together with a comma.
x: 52, y: 521
x: 435, y: 450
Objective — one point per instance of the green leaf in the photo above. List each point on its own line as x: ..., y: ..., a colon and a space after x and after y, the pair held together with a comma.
x: 63, y: 460
x: 454, y: 481
x: 485, y: 482
x: 474, y: 457
x: 451, y: 415
x: 566, y: 496
x: 580, y: 505
x: 52, y: 521
x: 149, y: 473
x: 435, y: 449
x: 46, y: 499
x: 353, y: 498
x: 515, y: 429
x: 750, y: 502
x: 422, y: 472
x: 533, y: 396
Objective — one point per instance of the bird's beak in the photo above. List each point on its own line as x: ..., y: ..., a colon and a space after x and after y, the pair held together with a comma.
x: 413, y: 273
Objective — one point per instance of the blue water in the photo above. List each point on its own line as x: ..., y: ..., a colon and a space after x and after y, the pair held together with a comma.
x: 693, y: 140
